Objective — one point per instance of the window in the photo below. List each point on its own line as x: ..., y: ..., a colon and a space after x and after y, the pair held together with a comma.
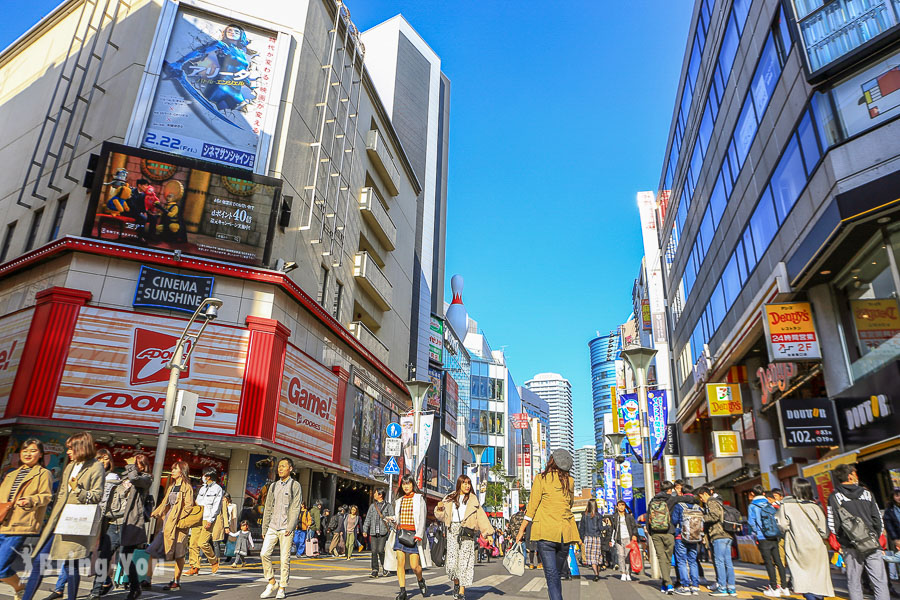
x: 784, y: 31
x: 717, y: 201
x: 338, y: 297
x: 7, y: 240
x: 788, y: 179
x: 744, y: 132
x: 58, y: 217
x: 33, y: 230
x: 832, y: 29
x: 707, y: 231
x: 706, y: 127
x: 763, y: 224
x: 808, y: 143
x: 323, y: 290
x: 765, y: 77
x: 731, y: 280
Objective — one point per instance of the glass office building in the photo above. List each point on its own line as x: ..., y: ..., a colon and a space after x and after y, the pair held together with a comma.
x: 604, y: 352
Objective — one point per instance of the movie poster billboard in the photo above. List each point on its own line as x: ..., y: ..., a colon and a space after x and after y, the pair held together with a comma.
x: 217, y: 94
x: 154, y: 200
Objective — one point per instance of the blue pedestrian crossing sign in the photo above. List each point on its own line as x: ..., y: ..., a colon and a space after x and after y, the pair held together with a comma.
x: 393, y: 430
x: 392, y: 468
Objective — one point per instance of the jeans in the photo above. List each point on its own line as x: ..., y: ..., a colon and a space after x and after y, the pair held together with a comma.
x: 664, y: 543
x: 9, y: 547
x: 724, y: 566
x: 378, y: 542
x: 686, y: 561
x: 300, y: 542
x: 772, y: 559
x: 874, y: 566
x: 70, y: 573
x: 554, y: 556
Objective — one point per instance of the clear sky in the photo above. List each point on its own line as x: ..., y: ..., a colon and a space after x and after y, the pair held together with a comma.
x: 559, y: 115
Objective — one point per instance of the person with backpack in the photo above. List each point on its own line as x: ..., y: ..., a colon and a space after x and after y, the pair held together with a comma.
x: 765, y: 531
x: 855, y: 521
x: 662, y: 530
x: 280, y: 517
x: 721, y: 541
x: 805, y: 528
x: 687, y: 519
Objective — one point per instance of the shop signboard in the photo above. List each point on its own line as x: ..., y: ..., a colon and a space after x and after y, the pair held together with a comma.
x: 869, y: 410
x: 176, y: 291
x: 670, y: 464
x: 13, y: 332
x: 672, y: 447
x: 791, y: 332
x: 807, y: 422
x: 694, y: 466
x: 451, y: 405
x: 727, y: 444
x: 189, y: 206
x: 631, y: 415
x: 433, y: 397
x: 307, y: 417
x: 645, y: 315
x: 217, y: 92
x: 775, y: 377
x: 724, y: 399
x: 436, y: 340
x: 115, y: 372
x: 869, y: 97
x: 876, y: 319
x: 520, y: 420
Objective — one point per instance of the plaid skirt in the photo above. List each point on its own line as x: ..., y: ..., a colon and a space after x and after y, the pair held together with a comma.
x: 593, y: 551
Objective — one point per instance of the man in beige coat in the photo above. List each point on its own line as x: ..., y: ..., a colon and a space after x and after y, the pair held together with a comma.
x: 280, y: 517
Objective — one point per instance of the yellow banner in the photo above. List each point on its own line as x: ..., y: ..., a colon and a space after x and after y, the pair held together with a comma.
x: 877, y: 320
x: 724, y: 399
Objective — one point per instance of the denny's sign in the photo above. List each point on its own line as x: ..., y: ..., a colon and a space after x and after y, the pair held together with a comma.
x: 791, y: 332
x: 724, y: 399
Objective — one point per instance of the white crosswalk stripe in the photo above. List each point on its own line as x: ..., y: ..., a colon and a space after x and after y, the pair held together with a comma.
x: 491, y: 581
x: 345, y: 576
x: 535, y: 585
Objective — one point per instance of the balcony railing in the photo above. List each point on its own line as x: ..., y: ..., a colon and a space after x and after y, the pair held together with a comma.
x: 383, y: 161
x: 374, y: 213
x: 371, y: 279
x: 370, y: 341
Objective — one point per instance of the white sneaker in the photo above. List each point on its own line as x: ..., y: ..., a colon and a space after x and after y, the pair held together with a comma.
x: 627, y: 576
x: 280, y: 593
x: 270, y: 589
x: 624, y: 577
x: 783, y: 591
x: 772, y: 593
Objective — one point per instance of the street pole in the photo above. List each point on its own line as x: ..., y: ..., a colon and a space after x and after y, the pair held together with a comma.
x: 176, y: 366
x: 417, y: 391
x: 639, y: 359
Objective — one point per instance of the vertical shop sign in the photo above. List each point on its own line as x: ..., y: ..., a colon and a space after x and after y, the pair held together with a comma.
x: 436, y: 340
x: 791, y: 332
x: 609, y: 484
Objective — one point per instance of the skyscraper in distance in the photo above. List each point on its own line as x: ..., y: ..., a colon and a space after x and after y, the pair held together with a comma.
x: 585, y: 463
x: 557, y: 391
x: 604, y: 351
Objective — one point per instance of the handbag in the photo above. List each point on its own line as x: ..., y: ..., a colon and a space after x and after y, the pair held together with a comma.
x: 514, y: 561
x: 192, y: 519
x: 467, y: 534
x: 5, y: 510
x: 157, y: 548
x: 407, y: 537
x: 78, y: 519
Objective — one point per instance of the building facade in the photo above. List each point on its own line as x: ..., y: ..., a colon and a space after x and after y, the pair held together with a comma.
x: 585, y: 467
x: 557, y: 392
x: 604, y: 350
x: 290, y: 196
x: 777, y: 203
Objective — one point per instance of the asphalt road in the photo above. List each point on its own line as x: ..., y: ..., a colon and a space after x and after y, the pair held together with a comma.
x: 340, y: 579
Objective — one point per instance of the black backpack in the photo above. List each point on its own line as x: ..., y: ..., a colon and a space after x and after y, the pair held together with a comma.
x: 439, y: 547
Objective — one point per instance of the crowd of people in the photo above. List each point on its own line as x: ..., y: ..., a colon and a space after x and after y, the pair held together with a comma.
x: 682, y: 525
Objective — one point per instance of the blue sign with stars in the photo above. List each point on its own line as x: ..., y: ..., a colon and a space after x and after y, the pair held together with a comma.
x: 393, y: 430
x: 392, y: 468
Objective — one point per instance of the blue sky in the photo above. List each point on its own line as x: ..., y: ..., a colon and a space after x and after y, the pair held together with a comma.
x: 558, y: 118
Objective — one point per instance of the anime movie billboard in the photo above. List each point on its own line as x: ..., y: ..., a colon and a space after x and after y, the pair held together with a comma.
x: 217, y: 89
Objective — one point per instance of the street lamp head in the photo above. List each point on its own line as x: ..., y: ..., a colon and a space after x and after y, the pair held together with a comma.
x: 418, y: 390
x: 615, y: 439
x: 639, y: 358
x: 212, y: 308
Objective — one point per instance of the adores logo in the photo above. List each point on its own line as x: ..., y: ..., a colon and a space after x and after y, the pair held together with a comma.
x: 151, y: 352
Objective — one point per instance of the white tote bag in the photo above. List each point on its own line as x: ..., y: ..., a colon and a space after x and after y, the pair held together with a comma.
x: 79, y: 519
x: 514, y: 561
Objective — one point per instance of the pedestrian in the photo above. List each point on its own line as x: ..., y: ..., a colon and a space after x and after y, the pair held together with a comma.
x: 280, y: 517
x: 352, y: 529
x: 721, y: 542
x: 315, y: 528
x: 336, y: 527
x: 209, y: 496
x: 512, y: 528
x: 28, y: 489
x: 107, y: 546
x: 687, y: 519
x: 81, y: 483
x: 326, y: 532
x: 302, y: 531
x: 484, y: 548
x: 852, y: 507
x: 766, y: 533
x: 805, y: 530
x: 534, y: 558
x: 227, y: 524
x: 178, y: 501
x: 409, y: 516
x: 127, y: 524
x: 377, y: 528
x: 590, y: 530
x: 463, y: 516
x: 243, y: 544
x: 662, y: 531
x: 891, y: 517
x: 550, y: 514
x: 624, y: 531
x: 605, y: 536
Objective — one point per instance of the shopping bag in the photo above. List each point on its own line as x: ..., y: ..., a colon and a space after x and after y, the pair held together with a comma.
x: 514, y: 561
x: 229, y: 548
x: 79, y: 519
x: 574, y: 571
x: 635, y: 558
x: 141, y: 562
x: 312, y: 547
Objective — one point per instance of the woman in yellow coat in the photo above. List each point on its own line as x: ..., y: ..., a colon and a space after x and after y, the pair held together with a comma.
x: 552, y: 522
x: 176, y: 505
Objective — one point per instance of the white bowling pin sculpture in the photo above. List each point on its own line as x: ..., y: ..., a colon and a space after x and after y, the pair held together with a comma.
x: 456, y: 313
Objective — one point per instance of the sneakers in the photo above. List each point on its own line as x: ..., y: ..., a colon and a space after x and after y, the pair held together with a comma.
x: 269, y: 591
x: 669, y: 590
x: 783, y: 591
x: 719, y: 592
x: 214, y: 568
x: 623, y: 577
x: 173, y: 586
x: 55, y: 595
x: 771, y: 592
x: 280, y: 593
x: 695, y: 591
x: 683, y: 591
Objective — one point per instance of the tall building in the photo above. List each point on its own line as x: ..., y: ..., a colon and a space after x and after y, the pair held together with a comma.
x: 557, y: 392
x: 416, y: 95
x: 585, y: 467
x: 777, y: 203
x: 604, y: 351
x: 300, y: 201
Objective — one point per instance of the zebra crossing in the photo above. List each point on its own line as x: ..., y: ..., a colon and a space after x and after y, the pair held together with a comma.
x: 536, y: 584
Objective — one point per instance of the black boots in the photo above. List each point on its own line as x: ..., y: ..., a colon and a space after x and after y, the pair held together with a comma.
x: 423, y: 587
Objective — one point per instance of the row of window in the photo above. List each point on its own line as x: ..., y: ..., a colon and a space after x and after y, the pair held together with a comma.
x: 35, y: 228
x: 765, y: 77
x: 799, y: 160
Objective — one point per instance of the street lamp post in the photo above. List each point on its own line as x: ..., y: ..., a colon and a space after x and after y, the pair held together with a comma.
x: 478, y: 450
x: 639, y: 359
x: 417, y: 390
x: 210, y: 309
x: 615, y: 440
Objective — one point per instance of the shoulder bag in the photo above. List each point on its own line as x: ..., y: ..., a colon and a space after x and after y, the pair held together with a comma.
x: 407, y: 537
x: 193, y: 518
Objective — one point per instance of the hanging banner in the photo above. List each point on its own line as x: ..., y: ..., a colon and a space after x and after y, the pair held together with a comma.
x: 658, y: 420
x: 791, y: 332
x: 626, y: 482
x: 631, y: 416
x: 426, y: 428
x: 609, y: 484
x: 645, y: 315
x: 724, y: 399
